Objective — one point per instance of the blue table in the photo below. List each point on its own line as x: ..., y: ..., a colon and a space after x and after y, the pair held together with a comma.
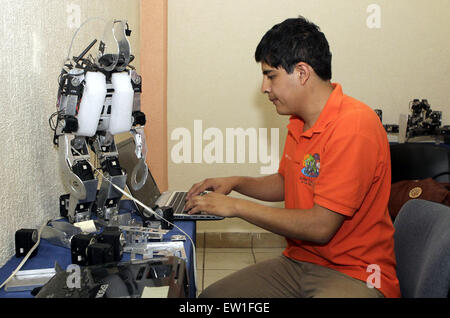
x: 48, y: 254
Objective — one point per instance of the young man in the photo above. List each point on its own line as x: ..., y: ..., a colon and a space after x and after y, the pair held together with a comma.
x: 334, y: 177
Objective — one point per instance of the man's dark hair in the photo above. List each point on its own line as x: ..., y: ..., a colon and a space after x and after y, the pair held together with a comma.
x: 293, y: 41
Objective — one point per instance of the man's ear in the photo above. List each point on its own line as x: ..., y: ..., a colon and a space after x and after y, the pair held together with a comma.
x: 303, y: 71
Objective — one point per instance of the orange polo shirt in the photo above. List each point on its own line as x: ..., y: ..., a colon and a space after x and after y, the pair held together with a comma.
x: 343, y: 164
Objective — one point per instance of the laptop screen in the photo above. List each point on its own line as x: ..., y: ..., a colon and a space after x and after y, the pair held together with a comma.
x: 149, y: 193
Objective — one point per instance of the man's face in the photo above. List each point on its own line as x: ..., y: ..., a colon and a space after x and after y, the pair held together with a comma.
x: 282, y: 89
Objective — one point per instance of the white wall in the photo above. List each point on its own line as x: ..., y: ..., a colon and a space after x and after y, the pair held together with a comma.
x: 35, y: 37
x: 212, y: 75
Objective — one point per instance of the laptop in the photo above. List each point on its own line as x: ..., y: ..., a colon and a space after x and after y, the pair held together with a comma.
x: 149, y: 193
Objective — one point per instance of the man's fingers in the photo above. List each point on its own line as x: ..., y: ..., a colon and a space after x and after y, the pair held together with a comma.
x: 194, y: 205
x: 197, y: 189
x: 194, y: 190
x: 195, y: 210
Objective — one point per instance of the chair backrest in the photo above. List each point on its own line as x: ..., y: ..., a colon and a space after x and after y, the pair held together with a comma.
x: 415, y: 161
x: 422, y: 249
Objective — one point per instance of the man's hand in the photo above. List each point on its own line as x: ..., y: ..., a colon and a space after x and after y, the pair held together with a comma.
x: 217, y: 185
x: 266, y: 188
x: 213, y: 203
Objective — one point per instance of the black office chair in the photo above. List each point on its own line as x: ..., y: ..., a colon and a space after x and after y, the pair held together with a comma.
x: 416, y: 161
x: 422, y: 249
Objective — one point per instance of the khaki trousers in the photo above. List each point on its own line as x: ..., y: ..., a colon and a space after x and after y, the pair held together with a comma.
x: 283, y: 277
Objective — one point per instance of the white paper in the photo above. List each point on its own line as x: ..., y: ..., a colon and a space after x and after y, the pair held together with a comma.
x: 155, y: 292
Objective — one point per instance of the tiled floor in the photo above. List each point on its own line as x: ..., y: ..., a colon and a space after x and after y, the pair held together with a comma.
x: 214, y: 263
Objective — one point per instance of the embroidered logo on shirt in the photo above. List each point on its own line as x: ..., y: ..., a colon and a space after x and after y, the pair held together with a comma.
x: 311, y: 165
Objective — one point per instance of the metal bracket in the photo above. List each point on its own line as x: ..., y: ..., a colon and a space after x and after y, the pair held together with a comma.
x: 156, y: 249
x: 29, y: 279
x: 138, y: 235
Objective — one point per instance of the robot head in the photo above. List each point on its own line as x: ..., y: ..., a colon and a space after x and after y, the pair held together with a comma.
x: 114, y: 49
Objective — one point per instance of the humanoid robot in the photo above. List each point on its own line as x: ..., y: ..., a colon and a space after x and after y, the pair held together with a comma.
x: 98, y: 98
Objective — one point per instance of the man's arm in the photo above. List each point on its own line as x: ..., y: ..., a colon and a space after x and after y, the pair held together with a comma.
x: 267, y: 188
x: 317, y: 224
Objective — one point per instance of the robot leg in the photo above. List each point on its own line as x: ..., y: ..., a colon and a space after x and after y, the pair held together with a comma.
x: 78, y: 178
x: 108, y: 198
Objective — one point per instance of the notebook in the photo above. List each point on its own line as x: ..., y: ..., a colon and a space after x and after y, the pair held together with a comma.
x: 149, y: 193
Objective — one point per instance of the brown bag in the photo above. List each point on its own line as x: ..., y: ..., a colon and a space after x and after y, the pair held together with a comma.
x: 426, y: 189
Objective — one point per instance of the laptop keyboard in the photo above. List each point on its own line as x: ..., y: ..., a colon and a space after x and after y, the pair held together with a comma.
x: 178, y: 201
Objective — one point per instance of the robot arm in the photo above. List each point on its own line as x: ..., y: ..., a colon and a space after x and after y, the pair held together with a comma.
x: 137, y: 131
x: 98, y: 99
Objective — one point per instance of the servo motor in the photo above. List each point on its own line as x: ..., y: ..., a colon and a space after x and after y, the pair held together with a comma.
x: 25, y: 239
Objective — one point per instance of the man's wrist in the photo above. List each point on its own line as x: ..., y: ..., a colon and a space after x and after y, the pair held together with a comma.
x: 238, y: 207
x: 235, y: 181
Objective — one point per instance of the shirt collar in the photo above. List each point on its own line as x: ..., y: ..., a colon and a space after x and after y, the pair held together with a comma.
x: 327, y: 115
